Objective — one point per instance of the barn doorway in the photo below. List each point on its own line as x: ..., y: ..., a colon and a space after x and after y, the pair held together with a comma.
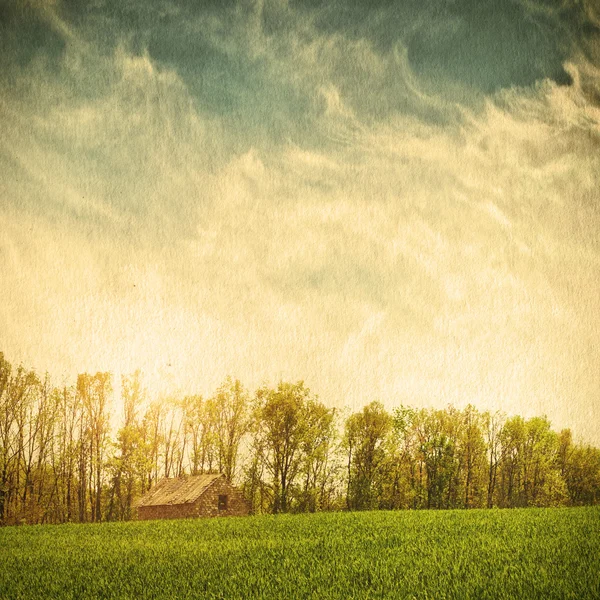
x: 222, y: 502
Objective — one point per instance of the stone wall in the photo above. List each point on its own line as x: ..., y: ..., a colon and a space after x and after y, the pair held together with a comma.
x: 207, y: 505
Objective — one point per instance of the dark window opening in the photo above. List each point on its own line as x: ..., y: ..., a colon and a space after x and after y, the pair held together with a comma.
x: 222, y: 502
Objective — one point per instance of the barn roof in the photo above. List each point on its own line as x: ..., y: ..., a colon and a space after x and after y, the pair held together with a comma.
x: 178, y: 490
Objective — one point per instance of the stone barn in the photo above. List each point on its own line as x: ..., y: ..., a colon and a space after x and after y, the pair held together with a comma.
x: 208, y: 495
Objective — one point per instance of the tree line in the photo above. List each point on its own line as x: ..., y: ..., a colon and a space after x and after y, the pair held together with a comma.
x: 60, y: 460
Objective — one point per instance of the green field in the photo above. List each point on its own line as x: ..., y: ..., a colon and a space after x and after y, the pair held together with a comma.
x: 532, y: 553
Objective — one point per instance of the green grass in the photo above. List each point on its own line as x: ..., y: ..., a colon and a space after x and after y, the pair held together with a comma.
x: 533, y: 553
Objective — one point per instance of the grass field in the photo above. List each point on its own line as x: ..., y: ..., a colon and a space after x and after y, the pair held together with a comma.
x: 533, y: 553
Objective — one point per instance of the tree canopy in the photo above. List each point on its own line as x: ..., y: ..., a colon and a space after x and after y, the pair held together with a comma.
x: 61, y: 461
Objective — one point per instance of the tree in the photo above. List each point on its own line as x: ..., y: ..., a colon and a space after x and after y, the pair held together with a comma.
x: 492, y: 430
x: 193, y: 410
x: 94, y: 391
x: 472, y: 450
x: 127, y: 464
x: 7, y: 415
x: 512, y: 439
x: 18, y: 395
x: 232, y: 421
x: 366, y: 434
x: 281, y: 429
x: 256, y: 490
x: 529, y: 465
x: 582, y: 475
x: 540, y: 465
x: 438, y: 451
x: 402, y: 489
x: 174, y: 437
x: 65, y: 457
x: 152, y: 426
x: 316, y: 450
x: 58, y: 461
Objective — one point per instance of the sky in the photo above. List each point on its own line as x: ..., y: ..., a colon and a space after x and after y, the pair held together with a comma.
x: 394, y: 201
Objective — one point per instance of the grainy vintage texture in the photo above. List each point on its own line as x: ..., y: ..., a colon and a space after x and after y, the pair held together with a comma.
x: 207, y: 495
x: 392, y: 200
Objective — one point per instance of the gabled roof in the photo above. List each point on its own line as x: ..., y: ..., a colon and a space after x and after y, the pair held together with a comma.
x: 178, y: 490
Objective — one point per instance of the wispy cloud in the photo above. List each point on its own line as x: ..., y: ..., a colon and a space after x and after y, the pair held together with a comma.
x: 270, y: 195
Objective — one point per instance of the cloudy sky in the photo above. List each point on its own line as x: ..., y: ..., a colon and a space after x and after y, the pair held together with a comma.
x: 399, y: 202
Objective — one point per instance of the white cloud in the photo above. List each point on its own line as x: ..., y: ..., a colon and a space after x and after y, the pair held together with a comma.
x: 396, y: 259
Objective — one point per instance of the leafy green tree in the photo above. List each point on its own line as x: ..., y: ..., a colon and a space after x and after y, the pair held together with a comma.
x: 193, y: 410
x: 19, y: 428
x: 7, y: 417
x: 438, y: 450
x: 582, y: 475
x: 127, y: 463
x: 291, y: 431
x: 282, y: 429
x: 493, y: 423
x: 366, y: 435
x: 94, y: 392
x: 174, y: 438
x: 232, y: 421
x: 64, y: 457
x: 530, y: 471
x: 400, y: 487
x: 512, y: 439
x: 472, y: 457
x: 317, y: 451
x: 54, y: 446
x: 541, y: 475
x: 152, y: 427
